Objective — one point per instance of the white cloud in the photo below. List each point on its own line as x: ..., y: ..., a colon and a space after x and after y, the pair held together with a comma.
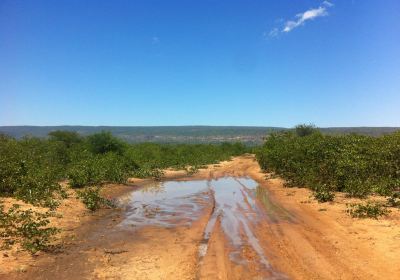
x: 327, y: 4
x: 302, y: 18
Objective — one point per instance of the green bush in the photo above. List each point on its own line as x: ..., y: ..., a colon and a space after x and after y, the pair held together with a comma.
x: 26, y: 227
x: 85, y: 171
x: 117, y: 168
x: 94, y: 169
x: 367, y: 210
x: 67, y: 138
x: 323, y: 194
x: 90, y: 196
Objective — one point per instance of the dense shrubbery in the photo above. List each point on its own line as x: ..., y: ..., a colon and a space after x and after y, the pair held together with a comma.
x: 90, y: 169
x: 151, y: 155
x: 31, y: 168
x: 355, y: 164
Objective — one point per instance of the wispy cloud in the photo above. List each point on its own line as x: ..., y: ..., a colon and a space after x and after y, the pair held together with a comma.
x: 302, y: 18
x: 327, y: 4
x: 274, y: 32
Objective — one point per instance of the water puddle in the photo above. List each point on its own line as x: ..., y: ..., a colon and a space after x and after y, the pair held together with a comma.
x: 239, y: 204
x: 166, y: 204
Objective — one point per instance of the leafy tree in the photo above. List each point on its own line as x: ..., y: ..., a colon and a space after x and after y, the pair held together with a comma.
x: 305, y: 129
x: 104, y: 142
x: 69, y: 138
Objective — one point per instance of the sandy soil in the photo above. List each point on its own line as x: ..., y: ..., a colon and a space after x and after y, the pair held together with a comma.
x: 301, y: 238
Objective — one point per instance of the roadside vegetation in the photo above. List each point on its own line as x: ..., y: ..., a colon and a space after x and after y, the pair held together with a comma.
x: 354, y: 164
x: 369, y: 209
x: 31, y: 170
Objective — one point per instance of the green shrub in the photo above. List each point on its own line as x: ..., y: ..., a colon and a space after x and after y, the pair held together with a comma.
x: 29, y: 228
x: 367, y: 210
x: 90, y: 196
x: 116, y: 168
x: 67, y: 138
x: 323, y: 194
x: 357, y: 187
x: 94, y: 169
x: 85, y: 172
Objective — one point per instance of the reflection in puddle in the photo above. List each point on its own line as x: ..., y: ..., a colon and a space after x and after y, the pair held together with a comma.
x: 166, y: 204
x: 239, y: 205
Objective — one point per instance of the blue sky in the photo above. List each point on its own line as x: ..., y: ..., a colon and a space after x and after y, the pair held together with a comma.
x: 208, y: 62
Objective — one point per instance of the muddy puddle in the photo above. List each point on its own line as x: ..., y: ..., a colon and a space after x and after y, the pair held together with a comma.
x: 239, y: 204
x: 167, y: 204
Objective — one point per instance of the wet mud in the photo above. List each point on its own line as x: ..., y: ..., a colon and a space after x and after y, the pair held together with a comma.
x: 238, y: 205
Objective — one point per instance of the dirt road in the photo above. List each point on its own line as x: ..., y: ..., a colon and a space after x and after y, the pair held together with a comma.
x: 224, y: 222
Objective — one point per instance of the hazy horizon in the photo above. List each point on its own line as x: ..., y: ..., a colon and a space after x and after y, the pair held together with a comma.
x: 194, y: 125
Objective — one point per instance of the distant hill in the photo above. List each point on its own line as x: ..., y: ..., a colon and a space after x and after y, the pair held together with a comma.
x: 183, y: 134
x: 371, y: 131
x: 161, y: 134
